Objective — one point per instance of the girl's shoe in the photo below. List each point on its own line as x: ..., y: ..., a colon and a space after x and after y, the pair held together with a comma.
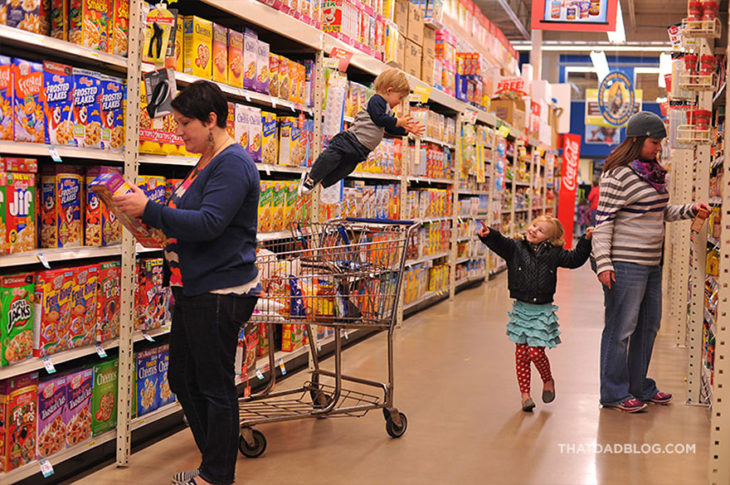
x: 183, y: 478
x: 549, y: 396
x: 528, y: 405
x: 661, y: 398
x: 628, y: 406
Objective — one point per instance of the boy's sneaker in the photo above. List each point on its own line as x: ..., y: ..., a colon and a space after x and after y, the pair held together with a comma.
x: 661, y: 398
x: 628, y: 406
x: 306, y: 185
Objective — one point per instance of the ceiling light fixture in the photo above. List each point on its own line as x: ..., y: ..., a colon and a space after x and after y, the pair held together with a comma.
x: 566, y: 47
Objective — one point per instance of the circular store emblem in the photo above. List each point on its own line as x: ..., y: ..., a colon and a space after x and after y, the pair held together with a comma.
x: 616, y: 98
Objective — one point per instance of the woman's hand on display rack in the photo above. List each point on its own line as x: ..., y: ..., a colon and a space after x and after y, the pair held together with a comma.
x: 589, y: 232
x: 607, y: 278
x: 484, y: 231
x: 132, y: 204
x: 700, y: 206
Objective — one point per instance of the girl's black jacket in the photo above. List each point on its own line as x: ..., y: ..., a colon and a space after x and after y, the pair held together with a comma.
x: 532, y: 272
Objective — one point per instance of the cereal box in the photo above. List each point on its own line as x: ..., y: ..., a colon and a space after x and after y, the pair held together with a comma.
x: 113, y: 94
x: 287, y: 125
x: 27, y: 101
x: 150, y: 294
x: 291, y: 202
x: 101, y: 227
x: 231, y: 120
x: 18, y: 420
x: 62, y: 203
x: 52, y: 311
x: 273, y: 74
x: 220, y: 53
x: 265, y: 204
x: 7, y: 113
x: 262, y: 65
x: 90, y: 23
x: 20, y: 206
x: 120, y: 28
x: 3, y: 210
x: 104, y: 397
x: 58, y: 83
x: 270, y: 138
x: 284, y: 80
x: 147, y: 381
x: 79, y: 387
x: 263, y: 346
x: 164, y: 393
x: 108, y: 300
x: 294, y: 81
x: 250, y: 59
x: 16, y: 334
x: 3, y: 12
x: 59, y: 19
x: 44, y: 17
x: 153, y: 187
x: 241, y: 130
x: 235, y: 58
x: 87, y: 108
x: 281, y: 190
x: 179, y: 43
x: 51, y: 408
x: 25, y: 15
x: 197, y: 46
x: 254, y: 134
x: 83, y: 306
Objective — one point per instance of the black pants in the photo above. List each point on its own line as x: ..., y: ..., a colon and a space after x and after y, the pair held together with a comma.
x: 339, y: 159
x: 203, y: 344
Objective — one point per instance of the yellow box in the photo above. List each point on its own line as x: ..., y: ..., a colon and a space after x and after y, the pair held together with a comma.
x: 278, y: 203
x: 294, y: 74
x: 235, y: 58
x: 179, y: 43
x: 220, y: 54
x: 265, y: 206
x: 197, y: 46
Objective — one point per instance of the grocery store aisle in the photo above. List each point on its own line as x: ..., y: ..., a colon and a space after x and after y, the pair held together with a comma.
x: 455, y: 381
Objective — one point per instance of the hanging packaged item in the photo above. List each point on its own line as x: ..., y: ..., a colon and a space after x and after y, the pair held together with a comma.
x: 160, y: 22
x: 18, y: 205
x: 52, y: 311
x: 18, y: 420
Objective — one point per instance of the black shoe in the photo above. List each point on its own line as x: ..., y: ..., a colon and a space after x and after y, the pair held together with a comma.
x: 549, y: 396
x: 528, y: 405
x: 306, y: 185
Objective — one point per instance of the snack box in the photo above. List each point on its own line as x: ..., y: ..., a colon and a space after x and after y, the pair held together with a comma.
x: 147, y: 381
x: 28, y: 101
x: 18, y: 196
x: 52, y: 311
x: 79, y: 388
x: 278, y: 203
x: 7, y: 113
x: 254, y: 134
x: 18, y: 420
x: 90, y: 23
x: 273, y: 74
x: 16, y: 318
x: 220, y: 54
x: 109, y: 184
x: 87, y: 108
x: 51, y: 408
x: 120, y: 28
x: 113, y: 93
x: 197, y: 46
x: 287, y: 126
x: 250, y: 59
x: 108, y: 301
x: 58, y: 87
x: 269, y: 138
x: 235, y: 58
x: 82, y: 324
x: 164, y: 393
x: 284, y: 77
x: 262, y: 66
x: 104, y: 396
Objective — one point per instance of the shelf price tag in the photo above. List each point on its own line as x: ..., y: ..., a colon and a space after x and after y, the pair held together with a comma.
x: 148, y: 337
x: 259, y: 375
x: 48, y: 365
x: 42, y: 258
x: 282, y: 367
x: 423, y: 93
x: 100, y: 351
x: 54, y: 155
x: 247, y: 96
x: 46, y: 468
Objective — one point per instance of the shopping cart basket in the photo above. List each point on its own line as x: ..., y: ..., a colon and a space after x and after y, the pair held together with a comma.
x: 344, y: 274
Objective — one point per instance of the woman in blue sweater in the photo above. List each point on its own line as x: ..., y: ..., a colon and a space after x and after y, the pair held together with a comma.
x: 210, y: 258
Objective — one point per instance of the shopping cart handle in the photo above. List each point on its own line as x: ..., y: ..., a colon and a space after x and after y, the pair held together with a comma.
x: 379, y: 221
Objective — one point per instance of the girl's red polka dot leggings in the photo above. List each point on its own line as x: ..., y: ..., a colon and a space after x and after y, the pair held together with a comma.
x: 523, y: 356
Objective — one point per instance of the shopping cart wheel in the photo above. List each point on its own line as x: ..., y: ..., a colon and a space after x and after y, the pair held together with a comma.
x: 320, y: 400
x: 255, y: 449
x: 393, y: 430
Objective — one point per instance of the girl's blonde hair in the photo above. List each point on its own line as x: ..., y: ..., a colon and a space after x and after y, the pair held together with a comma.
x: 394, y: 79
x: 556, y: 238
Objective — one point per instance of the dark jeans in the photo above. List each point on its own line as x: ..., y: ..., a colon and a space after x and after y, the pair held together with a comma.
x: 203, y: 344
x: 339, y: 159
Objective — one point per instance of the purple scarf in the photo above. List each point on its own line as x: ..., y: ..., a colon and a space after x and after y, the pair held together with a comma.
x: 651, y: 173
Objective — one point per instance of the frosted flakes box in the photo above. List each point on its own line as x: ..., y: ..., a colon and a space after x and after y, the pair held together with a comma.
x: 235, y: 58
x: 52, y: 311
x: 164, y: 393
x: 90, y: 23
x: 7, y: 113
x: 87, y: 108
x: 16, y: 318
x: 113, y: 93
x: 220, y: 53
x: 147, y: 381
x: 61, y: 207
x: 104, y: 397
x: 58, y: 84
x: 82, y: 323
x: 19, y: 194
x: 108, y: 300
x: 79, y: 389
x: 51, y: 407
x: 18, y: 420
x: 262, y: 65
x: 101, y: 227
x: 269, y: 138
x: 250, y: 59
x: 28, y: 101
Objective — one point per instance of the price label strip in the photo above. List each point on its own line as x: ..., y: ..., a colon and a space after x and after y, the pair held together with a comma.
x: 42, y: 258
x: 54, y: 155
x: 100, y: 351
x: 259, y: 375
x: 46, y: 468
x: 49, y: 365
x: 282, y: 367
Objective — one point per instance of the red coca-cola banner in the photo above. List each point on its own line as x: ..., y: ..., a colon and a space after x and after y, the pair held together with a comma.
x: 569, y: 185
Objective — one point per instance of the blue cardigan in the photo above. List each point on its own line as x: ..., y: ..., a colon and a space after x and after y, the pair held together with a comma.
x: 215, y: 224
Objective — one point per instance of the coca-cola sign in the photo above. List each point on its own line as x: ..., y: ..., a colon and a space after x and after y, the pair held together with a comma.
x: 569, y: 185
x: 571, y: 157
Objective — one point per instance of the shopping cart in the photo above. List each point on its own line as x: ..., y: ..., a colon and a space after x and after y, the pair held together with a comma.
x: 343, y: 275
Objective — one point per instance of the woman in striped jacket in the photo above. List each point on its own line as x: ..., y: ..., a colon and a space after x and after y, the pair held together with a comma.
x: 627, y: 249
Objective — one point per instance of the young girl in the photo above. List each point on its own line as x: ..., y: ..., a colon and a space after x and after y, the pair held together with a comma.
x: 532, y: 263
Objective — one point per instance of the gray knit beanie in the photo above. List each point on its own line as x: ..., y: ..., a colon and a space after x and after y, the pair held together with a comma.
x: 645, y: 123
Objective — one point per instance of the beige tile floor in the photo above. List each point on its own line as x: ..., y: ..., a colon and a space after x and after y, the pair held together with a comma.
x: 456, y: 383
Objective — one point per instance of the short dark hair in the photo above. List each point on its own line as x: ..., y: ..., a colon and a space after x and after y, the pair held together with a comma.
x: 200, y: 99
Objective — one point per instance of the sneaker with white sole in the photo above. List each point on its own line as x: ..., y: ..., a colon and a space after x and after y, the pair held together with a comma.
x: 661, y: 398
x: 306, y: 185
x: 628, y: 406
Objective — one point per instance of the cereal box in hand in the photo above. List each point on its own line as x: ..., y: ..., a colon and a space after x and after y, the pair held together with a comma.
x: 79, y: 387
x: 28, y: 101
x: 20, y: 202
x: 250, y: 59
x: 51, y: 408
x: 16, y: 334
x: 262, y: 65
x: 52, y: 311
x: 7, y: 113
x: 104, y: 397
x: 235, y: 58
x: 90, y: 23
x: 108, y: 300
x: 165, y: 395
x: 198, y: 46
x: 87, y: 108
x: 113, y: 93
x: 58, y: 84
x: 220, y: 53
x: 82, y: 322
x: 120, y: 28
x: 18, y: 420
x: 147, y: 381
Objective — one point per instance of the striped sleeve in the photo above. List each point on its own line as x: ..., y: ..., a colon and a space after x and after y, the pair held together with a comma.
x: 676, y: 212
x: 611, y: 199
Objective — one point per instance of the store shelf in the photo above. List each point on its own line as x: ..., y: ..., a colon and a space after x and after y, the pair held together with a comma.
x: 427, y: 297
x: 273, y: 236
x: 42, y: 150
x: 425, y: 259
x: 473, y: 192
x: 436, y: 141
x: 463, y: 260
x: 470, y: 279
x: 428, y: 220
x: 464, y: 239
x: 716, y: 201
x: 56, y: 48
x: 54, y: 255
x: 348, y: 119
x: 189, y: 162
x: 374, y: 176
x: 419, y: 179
x: 156, y: 415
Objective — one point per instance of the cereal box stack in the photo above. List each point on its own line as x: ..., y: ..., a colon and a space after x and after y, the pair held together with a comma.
x: 112, y: 113
x: 82, y: 325
x: 51, y: 408
x: 18, y: 420
x: 16, y: 318
x: 101, y: 227
x: 90, y: 23
x: 163, y: 364
x: 18, y: 205
x: 7, y: 115
x: 150, y: 294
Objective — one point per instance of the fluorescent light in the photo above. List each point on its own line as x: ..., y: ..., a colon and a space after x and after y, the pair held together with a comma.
x: 619, y: 35
x: 665, y: 67
x: 589, y: 47
x: 600, y: 63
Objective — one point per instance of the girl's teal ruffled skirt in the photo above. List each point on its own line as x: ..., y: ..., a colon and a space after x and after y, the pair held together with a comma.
x: 534, y: 325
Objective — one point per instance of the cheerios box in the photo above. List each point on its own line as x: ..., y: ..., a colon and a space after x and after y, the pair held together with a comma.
x: 235, y: 58
x: 16, y: 318
x: 58, y: 87
x: 147, y: 381
x: 250, y: 59
x: 19, y: 194
x: 241, y: 130
x: 7, y: 114
x: 87, y: 108
x: 108, y: 301
x: 90, y: 23
x: 18, y: 418
x: 197, y: 46
x: 113, y: 93
x: 51, y: 405
x: 79, y: 389
x: 104, y: 396
x: 164, y: 393
x: 220, y: 53
x: 254, y: 134
x: 28, y: 101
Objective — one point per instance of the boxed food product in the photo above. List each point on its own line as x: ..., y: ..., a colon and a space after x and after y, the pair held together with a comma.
x: 18, y: 195
x: 7, y: 114
x: 87, y: 108
x: 90, y: 23
x: 241, y: 130
x: 273, y: 74
x: 197, y: 46
x: 16, y: 334
x: 120, y: 28
x: 220, y: 53
x: 250, y: 59
x: 265, y: 206
x: 284, y: 77
x: 147, y: 381
x: 82, y: 324
x: 263, y: 346
x: 235, y: 58
x: 52, y: 311
x: 294, y: 81
x: 262, y: 66
x: 153, y: 187
x: 112, y: 113
x: 51, y: 408
x: 59, y: 19
x: 150, y: 294
x: 270, y: 139
x: 62, y: 206
x: 231, y: 120
x: 180, y: 44
x: 254, y: 133
x: 25, y: 15
x: 101, y: 227
x: 165, y: 395
x: 291, y: 203
x: 108, y: 301
x: 287, y: 127
x: 79, y: 387
x: 104, y: 396
x: 58, y: 103
x: 278, y: 201
x: 18, y: 420
x: 28, y: 101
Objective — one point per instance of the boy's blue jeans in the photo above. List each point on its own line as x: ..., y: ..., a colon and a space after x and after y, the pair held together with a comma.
x: 339, y: 159
x: 633, y: 315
